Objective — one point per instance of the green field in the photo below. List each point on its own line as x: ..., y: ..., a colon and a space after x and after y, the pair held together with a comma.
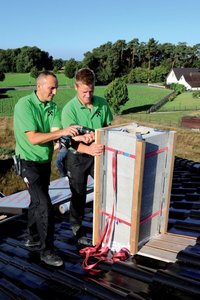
x: 141, y: 98
x: 183, y: 101
x: 24, y: 79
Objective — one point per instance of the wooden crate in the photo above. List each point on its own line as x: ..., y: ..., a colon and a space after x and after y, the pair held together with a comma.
x: 132, y: 185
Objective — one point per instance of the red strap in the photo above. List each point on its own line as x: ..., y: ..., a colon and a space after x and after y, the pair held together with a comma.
x: 95, y: 252
x: 98, y: 252
x: 122, y: 255
x: 102, y: 255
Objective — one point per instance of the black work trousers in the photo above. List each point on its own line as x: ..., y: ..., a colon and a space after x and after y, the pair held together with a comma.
x: 40, y: 210
x: 79, y: 166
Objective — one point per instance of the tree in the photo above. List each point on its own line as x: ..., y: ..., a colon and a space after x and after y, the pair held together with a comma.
x: 133, y: 48
x: 34, y: 72
x: 131, y: 77
x: 30, y: 57
x: 58, y: 64
x: 116, y: 94
x: 196, y: 49
x: 167, y: 54
x: 8, y: 60
x: 178, y: 88
x: 109, y: 61
x: 151, y: 53
x: 97, y: 61
x: 70, y: 67
x: 139, y: 75
x: 183, y: 56
x: 159, y: 74
x: 91, y: 61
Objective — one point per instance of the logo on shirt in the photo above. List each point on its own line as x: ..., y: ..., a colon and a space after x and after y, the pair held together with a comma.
x: 98, y: 113
x: 49, y: 113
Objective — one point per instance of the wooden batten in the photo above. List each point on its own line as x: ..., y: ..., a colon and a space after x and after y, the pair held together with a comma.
x: 169, y: 184
x: 96, y: 205
x: 137, y: 196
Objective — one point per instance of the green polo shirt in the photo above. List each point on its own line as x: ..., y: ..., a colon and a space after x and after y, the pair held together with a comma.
x: 74, y: 112
x: 30, y: 114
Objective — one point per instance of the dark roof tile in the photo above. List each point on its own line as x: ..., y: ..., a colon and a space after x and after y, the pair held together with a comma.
x: 183, y: 71
x: 193, y: 79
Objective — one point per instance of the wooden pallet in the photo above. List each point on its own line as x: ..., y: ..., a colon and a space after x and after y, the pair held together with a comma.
x: 165, y: 247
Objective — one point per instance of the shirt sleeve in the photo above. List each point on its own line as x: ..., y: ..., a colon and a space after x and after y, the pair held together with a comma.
x: 68, y: 117
x: 25, y: 117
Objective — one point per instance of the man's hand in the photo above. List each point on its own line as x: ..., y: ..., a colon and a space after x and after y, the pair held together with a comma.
x: 86, y: 138
x: 95, y: 149
x: 71, y: 130
x: 38, y: 138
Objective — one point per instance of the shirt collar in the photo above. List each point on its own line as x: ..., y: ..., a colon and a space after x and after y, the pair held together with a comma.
x: 38, y: 102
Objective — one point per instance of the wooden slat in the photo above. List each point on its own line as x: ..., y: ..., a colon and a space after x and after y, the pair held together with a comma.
x: 97, y: 184
x: 137, y: 196
x: 158, y: 254
x: 174, y: 238
x: 170, y: 176
x: 164, y: 245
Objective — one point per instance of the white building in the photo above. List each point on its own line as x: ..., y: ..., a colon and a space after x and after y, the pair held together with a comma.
x: 189, y: 77
x: 191, y: 81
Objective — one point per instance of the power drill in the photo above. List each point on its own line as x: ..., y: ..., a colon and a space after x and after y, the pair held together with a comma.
x: 66, y: 141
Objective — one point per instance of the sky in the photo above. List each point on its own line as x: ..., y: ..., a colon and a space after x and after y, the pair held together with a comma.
x: 67, y: 29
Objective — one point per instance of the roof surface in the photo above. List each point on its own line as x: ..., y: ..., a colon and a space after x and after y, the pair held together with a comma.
x: 193, y: 79
x: 24, y: 276
x: 183, y: 71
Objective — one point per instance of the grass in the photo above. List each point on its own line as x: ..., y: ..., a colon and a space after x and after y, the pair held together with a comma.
x: 159, y: 118
x: 143, y: 97
x: 24, y: 79
x: 183, y: 101
x: 140, y: 98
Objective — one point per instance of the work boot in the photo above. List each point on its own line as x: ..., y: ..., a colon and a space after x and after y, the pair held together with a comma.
x: 85, y: 241
x: 50, y: 258
x: 76, y: 229
x: 32, y: 243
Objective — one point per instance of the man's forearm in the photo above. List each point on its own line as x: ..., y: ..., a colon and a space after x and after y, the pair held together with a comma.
x: 83, y: 148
